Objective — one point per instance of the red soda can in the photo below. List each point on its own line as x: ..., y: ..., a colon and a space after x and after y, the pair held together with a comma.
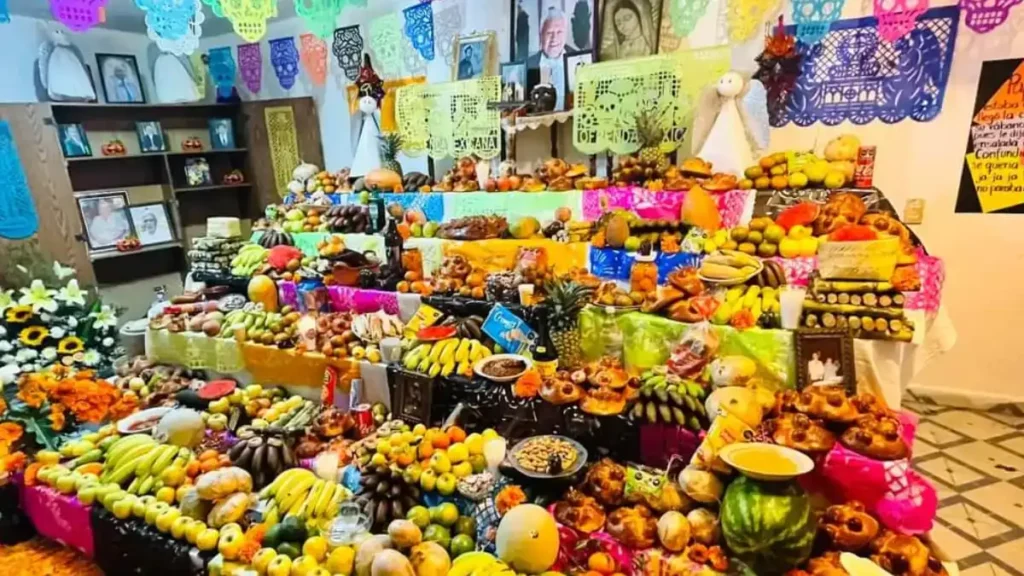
x: 864, y: 170
x: 364, y: 420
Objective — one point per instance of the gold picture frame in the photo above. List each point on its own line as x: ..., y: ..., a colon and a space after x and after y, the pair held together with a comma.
x: 480, y: 61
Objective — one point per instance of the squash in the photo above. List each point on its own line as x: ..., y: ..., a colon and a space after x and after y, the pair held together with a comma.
x: 221, y: 483
x: 262, y: 290
x: 228, y: 510
x: 383, y: 180
x: 527, y: 539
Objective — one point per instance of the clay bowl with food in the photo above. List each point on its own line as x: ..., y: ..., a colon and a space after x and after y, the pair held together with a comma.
x: 548, y: 456
x: 502, y: 367
x: 142, y: 421
x: 769, y: 462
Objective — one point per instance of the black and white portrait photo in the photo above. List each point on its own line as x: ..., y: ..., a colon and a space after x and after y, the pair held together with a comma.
x: 471, y: 60
x: 825, y: 358
x: 628, y: 28
x: 513, y: 81
x: 222, y: 135
x: 152, y: 226
x: 151, y: 137
x: 104, y: 218
x: 119, y: 74
x: 73, y: 142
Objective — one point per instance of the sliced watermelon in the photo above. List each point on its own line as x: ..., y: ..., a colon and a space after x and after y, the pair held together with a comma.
x: 215, y: 389
x: 436, y: 333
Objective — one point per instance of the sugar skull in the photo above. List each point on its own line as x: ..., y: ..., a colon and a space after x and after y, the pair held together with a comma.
x: 348, y: 49
x: 813, y: 18
x: 285, y: 59
x: 984, y: 15
x: 77, y: 15
x: 897, y: 17
x: 222, y: 70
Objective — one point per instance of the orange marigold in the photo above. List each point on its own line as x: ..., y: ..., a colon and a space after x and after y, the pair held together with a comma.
x: 124, y: 406
x: 10, y: 432
x: 3, y: 405
x: 32, y: 393
x: 248, y: 551
x: 13, y: 462
x: 57, y: 419
x: 31, y: 472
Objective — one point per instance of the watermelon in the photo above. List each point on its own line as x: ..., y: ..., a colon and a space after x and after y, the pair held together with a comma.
x: 768, y: 525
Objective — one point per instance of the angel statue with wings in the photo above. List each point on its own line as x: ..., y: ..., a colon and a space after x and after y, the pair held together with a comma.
x: 727, y: 133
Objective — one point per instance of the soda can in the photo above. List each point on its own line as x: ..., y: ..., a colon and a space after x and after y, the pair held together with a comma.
x: 364, y: 419
x: 864, y: 170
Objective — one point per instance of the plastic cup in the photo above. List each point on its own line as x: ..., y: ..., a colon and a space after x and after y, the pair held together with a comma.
x: 791, y: 304
x: 526, y: 294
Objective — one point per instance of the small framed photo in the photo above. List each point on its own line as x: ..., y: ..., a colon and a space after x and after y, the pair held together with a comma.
x: 475, y: 56
x: 122, y: 83
x: 105, y: 218
x: 73, y: 142
x: 825, y: 358
x: 222, y: 133
x: 151, y: 136
x: 152, y: 223
x: 573, y: 60
x: 513, y: 81
x: 197, y: 172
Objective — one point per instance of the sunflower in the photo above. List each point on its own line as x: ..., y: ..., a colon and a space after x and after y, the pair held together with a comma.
x: 19, y: 314
x: 33, y: 336
x: 70, y: 345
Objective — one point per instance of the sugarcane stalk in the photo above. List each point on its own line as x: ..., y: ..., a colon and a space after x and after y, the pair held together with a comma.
x: 855, y: 299
x: 861, y: 286
x: 851, y: 309
x: 828, y: 320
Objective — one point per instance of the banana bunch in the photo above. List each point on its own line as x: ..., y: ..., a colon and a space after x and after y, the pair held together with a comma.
x: 375, y: 326
x: 725, y: 265
x: 667, y: 398
x: 446, y: 357
x: 142, y: 460
x: 756, y: 299
x: 257, y: 325
x: 249, y: 259
x: 298, y: 492
x: 479, y: 564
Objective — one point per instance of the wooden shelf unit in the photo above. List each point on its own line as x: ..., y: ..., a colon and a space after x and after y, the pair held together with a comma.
x: 163, y: 170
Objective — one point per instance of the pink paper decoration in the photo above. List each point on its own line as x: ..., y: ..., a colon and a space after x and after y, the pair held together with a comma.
x: 984, y: 15
x: 78, y: 15
x: 897, y: 17
x: 313, y: 51
x: 250, y: 62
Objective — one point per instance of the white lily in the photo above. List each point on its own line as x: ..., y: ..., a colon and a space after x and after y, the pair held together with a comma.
x: 104, y: 318
x: 49, y: 353
x: 62, y: 272
x: 57, y: 332
x: 9, y: 373
x: 39, y: 297
x: 91, y: 357
x: 107, y: 342
x: 6, y: 299
x: 72, y: 294
x: 25, y: 354
x: 72, y: 322
x: 6, y: 346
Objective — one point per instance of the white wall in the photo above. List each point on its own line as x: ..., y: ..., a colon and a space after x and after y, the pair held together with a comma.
x: 19, y: 45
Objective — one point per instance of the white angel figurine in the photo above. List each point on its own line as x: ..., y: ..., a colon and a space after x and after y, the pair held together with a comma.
x: 61, y: 71
x: 728, y: 134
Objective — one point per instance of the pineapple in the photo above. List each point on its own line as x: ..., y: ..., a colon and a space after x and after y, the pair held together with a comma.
x: 650, y: 134
x: 390, y: 146
x: 566, y: 299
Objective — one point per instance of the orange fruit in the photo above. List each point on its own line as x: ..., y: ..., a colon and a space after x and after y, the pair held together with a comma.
x: 780, y: 182
x: 404, y: 458
x: 425, y: 450
x: 767, y: 162
x: 441, y: 441
x: 207, y: 454
x: 601, y: 562
x: 403, y: 286
x: 456, y: 434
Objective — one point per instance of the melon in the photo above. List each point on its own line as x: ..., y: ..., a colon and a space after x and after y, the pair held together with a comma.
x: 391, y: 563
x: 673, y: 531
x: 768, y: 525
x: 527, y: 539
x: 180, y: 427
x: 430, y: 559
x: 215, y: 389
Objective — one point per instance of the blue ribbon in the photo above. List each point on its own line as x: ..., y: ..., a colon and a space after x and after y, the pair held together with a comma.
x: 419, y: 28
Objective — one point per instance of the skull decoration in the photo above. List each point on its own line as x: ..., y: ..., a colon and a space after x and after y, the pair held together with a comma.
x: 543, y: 98
x: 984, y: 15
x: 814, y: 17
x: 222, y: 70
x: 897, y: 17
x: 285, y: 59
x: 348, y: 49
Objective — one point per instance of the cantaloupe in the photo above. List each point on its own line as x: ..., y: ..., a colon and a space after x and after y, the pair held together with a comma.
x: 262, y: 290
x: 527, y: 539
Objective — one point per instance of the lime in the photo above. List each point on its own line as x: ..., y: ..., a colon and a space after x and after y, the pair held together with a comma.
x: 419, y: 516
x: 461, y: 544
x: 290, y: 550
x: 466, y: 525
x: 447, y: 514
x: 439, y: 534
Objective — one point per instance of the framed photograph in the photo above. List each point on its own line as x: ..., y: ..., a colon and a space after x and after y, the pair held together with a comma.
x: 73, y: 141
x: 825, y: 358
x: 627, y: 28
x: 513, y: 81
x: 105, y: 218
x: 475, y: 56
x: 197, y: 172
x: 152, y: 223
x: 222, y: 133
x: 574, y: 60
x: 151, y: 136
x: 553, y: 25
x: 122, y: 83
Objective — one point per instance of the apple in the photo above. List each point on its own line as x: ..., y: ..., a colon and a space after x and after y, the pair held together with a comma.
x: 180, y: 526
x: 166, y: 518
x: 122, y: 509
x: 281, y: 565
x: 229, y: 544
x: 207, y: 539
x: 194, y: 530
x: 446, y: 483
x: 428, y: 479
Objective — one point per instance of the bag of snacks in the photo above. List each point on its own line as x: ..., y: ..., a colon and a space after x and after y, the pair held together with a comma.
x: 694, y: 352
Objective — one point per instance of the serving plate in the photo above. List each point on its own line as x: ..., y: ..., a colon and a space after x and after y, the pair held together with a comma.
x: 478, y: 367
x: 581, y: 458
x: 757, y: 452
x: 124, y: 425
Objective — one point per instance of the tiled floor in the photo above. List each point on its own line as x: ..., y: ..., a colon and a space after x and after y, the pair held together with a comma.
x: 976, y: 461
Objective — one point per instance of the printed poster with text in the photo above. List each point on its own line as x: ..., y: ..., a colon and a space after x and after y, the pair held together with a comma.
x: 992, y: 179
